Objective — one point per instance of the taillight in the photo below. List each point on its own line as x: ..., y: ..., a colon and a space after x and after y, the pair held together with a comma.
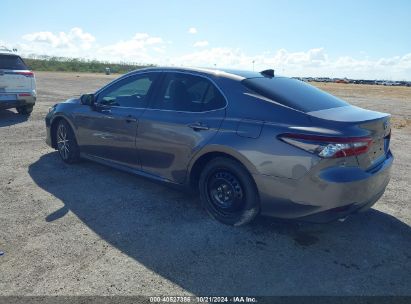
x: 328, y: 147
x: 27, y: 74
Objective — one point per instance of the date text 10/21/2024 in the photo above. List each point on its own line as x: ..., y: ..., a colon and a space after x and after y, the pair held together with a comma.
x: 166, y: 299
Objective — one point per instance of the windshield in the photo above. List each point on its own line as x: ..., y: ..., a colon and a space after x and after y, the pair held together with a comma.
x: 293, y: 93
x: 12, y: 62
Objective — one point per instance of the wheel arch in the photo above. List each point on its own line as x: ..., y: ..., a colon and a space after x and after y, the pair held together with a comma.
x: 207, y: 154
x: 53, y: 128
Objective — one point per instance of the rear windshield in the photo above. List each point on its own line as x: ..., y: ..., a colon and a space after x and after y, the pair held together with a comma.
x: 12, y: 62
x: 293, y: 93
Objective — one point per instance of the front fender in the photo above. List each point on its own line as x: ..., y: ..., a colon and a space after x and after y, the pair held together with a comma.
x: 55, y: 118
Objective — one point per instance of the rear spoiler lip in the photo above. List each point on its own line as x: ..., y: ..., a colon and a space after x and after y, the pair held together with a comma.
x: 348, y: 114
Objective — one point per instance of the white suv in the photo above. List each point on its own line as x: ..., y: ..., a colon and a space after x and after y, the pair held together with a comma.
x: 17, y: 83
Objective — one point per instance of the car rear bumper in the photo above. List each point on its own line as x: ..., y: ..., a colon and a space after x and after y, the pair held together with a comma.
x: 16, y: 101
x: 329, y: 194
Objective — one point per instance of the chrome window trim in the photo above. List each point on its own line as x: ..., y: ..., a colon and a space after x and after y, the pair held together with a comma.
x: 198, y: 75
x: 131, y: 74
x: 137, y: 73
x: 174, y: 111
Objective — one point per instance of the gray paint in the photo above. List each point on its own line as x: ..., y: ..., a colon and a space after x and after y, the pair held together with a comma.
x: 291, y: 182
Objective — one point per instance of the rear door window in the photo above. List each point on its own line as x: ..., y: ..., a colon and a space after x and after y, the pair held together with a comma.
x: 189, y: 93
x: 12, y: 62
x: 293, y: 93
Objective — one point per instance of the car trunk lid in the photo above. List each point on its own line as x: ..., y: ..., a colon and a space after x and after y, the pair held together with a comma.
x: 375, y: 125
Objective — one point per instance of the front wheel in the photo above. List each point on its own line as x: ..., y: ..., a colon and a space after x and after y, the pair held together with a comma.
x: 228, y: 192
x: 66, y: 143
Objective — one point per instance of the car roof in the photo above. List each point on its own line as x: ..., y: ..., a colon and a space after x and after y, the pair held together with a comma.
x: 227, y: 73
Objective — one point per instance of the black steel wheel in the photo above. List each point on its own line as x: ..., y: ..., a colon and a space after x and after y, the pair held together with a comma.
x: 228, y: 192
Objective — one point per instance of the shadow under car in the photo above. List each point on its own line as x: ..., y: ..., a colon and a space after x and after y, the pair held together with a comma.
x: 168, y: 232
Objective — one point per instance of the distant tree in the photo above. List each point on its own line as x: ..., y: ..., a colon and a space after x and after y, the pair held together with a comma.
x: 63, y: 64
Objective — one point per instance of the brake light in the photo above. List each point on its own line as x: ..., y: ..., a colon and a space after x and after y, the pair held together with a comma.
x: 328, y: 147
x: 27, y: 74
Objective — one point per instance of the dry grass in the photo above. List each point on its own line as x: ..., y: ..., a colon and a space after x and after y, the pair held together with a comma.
x: 389, y: 99
x: 364, y: 90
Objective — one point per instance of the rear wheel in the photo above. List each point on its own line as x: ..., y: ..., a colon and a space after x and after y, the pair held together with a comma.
x: 66, y: 143
x: 25, y: 110
x: 228, y: 192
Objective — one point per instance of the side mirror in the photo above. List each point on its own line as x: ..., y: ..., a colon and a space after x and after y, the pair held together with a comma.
x: 87, y: 99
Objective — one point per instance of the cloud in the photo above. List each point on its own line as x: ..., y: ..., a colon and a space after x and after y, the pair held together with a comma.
x: 192, y: 30
x: 76, y: 37
x: 147, y: 48
x: 229, y: 57
x: 221, y: 57
x: 74, y: 43
x: 146, y: 39
x: 141, y: 47
x: 202, y: 43
x: 313, y: 62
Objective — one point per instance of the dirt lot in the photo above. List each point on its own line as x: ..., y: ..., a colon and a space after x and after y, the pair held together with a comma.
x: 91, y: 230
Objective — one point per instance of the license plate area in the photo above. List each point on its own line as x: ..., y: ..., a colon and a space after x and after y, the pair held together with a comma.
x: 8, y: 97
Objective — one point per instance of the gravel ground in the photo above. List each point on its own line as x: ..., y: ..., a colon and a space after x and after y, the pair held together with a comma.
x: 87, y: 229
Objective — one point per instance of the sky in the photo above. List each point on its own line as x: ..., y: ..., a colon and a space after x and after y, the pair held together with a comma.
x: 354, y: 39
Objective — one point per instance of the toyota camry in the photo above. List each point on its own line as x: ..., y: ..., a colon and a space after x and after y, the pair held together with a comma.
x: 249, y: 142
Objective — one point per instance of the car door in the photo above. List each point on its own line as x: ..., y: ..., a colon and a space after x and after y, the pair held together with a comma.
x: 182, y: 117
x: 108, y: 129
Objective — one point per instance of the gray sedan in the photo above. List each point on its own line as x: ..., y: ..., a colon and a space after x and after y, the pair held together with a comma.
x: 250, y: 143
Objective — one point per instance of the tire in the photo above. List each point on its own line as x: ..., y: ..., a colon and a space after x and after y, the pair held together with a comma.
x: 228, y: 192
x: 25, y: 110
x: 66, y: 143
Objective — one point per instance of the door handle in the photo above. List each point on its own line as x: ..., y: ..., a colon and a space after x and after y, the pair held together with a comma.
x: 198, y: 126
x: 131, y: 118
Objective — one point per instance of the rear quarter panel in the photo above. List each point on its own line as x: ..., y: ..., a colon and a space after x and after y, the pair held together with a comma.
x: 250, y: 133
